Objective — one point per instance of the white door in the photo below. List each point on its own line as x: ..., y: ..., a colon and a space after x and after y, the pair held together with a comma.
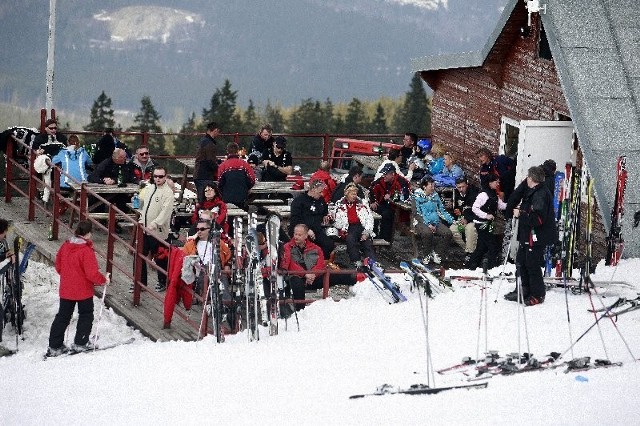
x: 543, y: 140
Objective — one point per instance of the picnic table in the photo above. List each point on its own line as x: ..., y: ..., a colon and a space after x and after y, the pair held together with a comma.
x: 105, y: 191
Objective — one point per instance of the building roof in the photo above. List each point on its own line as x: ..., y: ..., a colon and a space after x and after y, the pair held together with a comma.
x: 596, y: 50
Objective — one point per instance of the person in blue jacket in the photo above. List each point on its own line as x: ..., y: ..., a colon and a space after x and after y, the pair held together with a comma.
x: 74, y: 161
x: 429, y: 217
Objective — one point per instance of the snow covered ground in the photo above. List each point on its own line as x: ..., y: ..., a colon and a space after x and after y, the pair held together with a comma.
x: 342, y: 348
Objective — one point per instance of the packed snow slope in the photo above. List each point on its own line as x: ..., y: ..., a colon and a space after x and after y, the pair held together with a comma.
x: 343, y: 348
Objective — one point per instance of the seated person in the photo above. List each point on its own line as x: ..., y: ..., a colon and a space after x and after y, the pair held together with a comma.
x: 200, y: 245
x: 50, y: 142
x: 354, y: 222
x: 277, y: 162
x: 106, y: 145
x: 464, y: 229
x: 115, y: 171
x: 263, y: 141
x: 389, y: 186
x: 450, y: 171
x: 436, y: 164
x: 212, y: 202
x: 301, y: 255
x: 143, y: 165
x: 74, y: 161
x: 395, y: 158
x: 354, y: 176
x: 310, y: 209
x: 429, y: 215
x: 323, y: 174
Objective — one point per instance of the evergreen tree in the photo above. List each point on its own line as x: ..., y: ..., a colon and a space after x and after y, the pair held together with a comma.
x: 222, y: 109
x: 101, y: 117
x: 147, y: 120
x: 251, y: 122
x: 379, y: 122
x: 329, y: 125
x: 185, y: 144
x: 307, y: 118
x: 273, y: 115
x: 415, y: 114
x: 355, y: 120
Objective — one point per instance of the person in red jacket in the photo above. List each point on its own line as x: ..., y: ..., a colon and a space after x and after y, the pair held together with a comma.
x: 324, y: 175
x: 78, y: 268
x: 302, y: 255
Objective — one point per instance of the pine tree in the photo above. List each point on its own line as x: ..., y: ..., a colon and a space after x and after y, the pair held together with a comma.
x: 273, y: 115
x: 251, y: 122
x: 355, y: 120
x: 379, y: 122
x: 415, y: 114
x: 101, y: 117
x: 147, y: 120
x: 329, y: 125
x: 184, y: 144
x: 222, y: 109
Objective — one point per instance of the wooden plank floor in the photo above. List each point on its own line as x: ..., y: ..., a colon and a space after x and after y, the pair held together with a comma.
x: 147, y: 317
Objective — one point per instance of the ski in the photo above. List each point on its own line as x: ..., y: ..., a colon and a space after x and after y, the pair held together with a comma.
x: 25, y: 257
x: 615, y: 242
x: 424, y: 268
x: 627, y: 306
x: 253, y: 279
x: 376, y: 275
x: 238, y: 267
x: 417, y: 389
x: 506, y: 276
x: 621, y: 301
x: 97, y: 349
x: 273, y: 231
x: 419, y: 278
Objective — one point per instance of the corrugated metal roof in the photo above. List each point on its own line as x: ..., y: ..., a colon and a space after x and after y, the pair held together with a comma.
x: 596, y: 49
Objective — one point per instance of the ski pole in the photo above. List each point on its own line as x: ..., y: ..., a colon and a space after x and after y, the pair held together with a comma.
x: 104, y: 294
x: 514, y: 227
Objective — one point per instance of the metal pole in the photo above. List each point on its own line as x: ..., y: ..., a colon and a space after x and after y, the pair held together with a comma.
x: 51, y: 47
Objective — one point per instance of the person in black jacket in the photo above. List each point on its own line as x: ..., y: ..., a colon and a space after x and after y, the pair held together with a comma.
x: 485, y: 208
x: 114, y: 171
x: 310, y: 209
x: 50, y: 142
x: 354, y: 176
x: 463, y: 229
x: 277, y: 162
x: 206, y: 164
x: 105, y: 146
x: 536, y: 229
x: 263, y: 141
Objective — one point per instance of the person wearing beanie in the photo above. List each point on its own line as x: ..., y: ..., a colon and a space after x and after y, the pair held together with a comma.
x: 536, y: 229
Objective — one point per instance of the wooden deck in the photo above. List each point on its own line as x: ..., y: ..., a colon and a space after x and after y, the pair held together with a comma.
x: 147, y: 317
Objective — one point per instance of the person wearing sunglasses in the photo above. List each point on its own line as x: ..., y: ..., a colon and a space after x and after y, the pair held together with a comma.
x: 49, y: 142
x: 214, y: 203
x: 143, y: 165
x: 156, y: 207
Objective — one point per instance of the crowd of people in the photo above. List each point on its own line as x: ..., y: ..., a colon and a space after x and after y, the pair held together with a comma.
x: 405, y: 194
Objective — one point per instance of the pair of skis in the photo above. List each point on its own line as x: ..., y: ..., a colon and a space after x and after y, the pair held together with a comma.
x: 71, y: 352
x: 423, y: 275
x: 615, y: 242
x: 619, y: 307
x: 385, y: 286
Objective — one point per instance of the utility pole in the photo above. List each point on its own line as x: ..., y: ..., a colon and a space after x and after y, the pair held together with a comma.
x: 50, y: 55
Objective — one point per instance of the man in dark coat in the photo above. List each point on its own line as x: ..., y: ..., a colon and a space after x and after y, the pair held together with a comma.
x: 263, y: 140
x: 206, y: 167
x: 113, y: 171
x: 50, y: 142
x: 536, y: 229
x: 310, y: 209
x: 105, y: 146
x: 464, y: 195
x: 500, y: 165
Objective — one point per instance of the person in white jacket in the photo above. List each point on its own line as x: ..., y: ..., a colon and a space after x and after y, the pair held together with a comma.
x: 354, y: 221
x: 156, y: 207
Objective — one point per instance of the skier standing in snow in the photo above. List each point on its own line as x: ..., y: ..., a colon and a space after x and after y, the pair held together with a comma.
x: 78, y: 268
x: 536, y: 229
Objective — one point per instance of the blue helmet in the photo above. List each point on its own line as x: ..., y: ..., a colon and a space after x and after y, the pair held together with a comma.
x: 424, y: 145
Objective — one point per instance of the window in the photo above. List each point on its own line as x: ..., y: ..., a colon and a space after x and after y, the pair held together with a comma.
x: 544, y: 52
